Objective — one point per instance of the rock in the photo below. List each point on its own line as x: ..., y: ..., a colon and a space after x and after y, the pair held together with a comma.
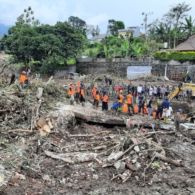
x: 96, y: 177
x: 4, y: 177
x: 137, y: 149
x: 63, y: 181
x: 114, y: 155
x: 46, y: 178
x: 69, y: 185
x: 134, y: 160
x: 20, y: 176
x: 119, y: 165
x: 138, y: 165
x: 192, y: 134
x: 130, y: 166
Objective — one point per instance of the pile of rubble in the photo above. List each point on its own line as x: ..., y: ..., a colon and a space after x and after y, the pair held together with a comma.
x: 19, y: 106
x: 87, y: 150
x: 95, y: 159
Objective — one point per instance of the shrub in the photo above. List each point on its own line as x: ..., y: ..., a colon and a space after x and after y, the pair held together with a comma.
x: 175, y: 55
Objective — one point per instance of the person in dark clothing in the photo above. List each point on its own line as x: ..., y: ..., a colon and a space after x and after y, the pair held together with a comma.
x: 159, y: 112
x: 106, y: 80
x: 13, y: 78
x: 158, y: 91
x: 129, y: 88
x: 105, y: 100
x: 141, y: 103
x: 149, y: 106
x: 165, y: 104
x: 110, y: 81
x: 82, y: 96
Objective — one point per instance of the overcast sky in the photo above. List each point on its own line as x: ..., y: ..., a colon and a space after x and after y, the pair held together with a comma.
x: 95, y: 12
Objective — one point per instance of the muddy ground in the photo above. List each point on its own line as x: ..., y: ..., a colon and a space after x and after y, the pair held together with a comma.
x: 35, y: 173
x: 27, y: 169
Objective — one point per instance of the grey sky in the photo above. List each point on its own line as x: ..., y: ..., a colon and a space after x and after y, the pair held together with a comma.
x: 95, y: 12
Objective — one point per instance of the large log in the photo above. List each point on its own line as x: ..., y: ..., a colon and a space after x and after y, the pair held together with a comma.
x: 95, y: 116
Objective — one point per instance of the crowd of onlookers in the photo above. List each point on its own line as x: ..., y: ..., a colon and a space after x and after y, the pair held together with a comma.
x: 131, y: 99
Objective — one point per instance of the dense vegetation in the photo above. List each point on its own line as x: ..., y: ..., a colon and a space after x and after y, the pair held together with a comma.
x: 175, y: 26
x: 114, y: 46
x: 174, y: 55
x: 44, y: 47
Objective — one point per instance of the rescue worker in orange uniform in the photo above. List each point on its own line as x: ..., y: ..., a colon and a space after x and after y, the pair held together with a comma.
x: 97, y: 99
x: 135, y: 109
x: 125, y: 108
x: 23, y: 79
x: 93, y: 94
x: 120, y: 100
x: 145, y: 109
x: 105, y: 100
x: 130, y: 102
x: 71, y: 93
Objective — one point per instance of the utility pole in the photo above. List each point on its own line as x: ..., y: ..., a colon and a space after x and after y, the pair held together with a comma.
x: 145, y: 22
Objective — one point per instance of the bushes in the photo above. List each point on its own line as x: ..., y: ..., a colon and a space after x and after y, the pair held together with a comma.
x: 176, y: 55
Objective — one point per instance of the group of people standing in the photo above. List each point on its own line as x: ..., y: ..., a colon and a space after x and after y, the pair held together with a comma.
x: 149, y: 100
x: 76, y: 92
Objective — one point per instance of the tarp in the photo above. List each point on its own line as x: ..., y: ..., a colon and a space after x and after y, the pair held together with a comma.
x: 134, y: 72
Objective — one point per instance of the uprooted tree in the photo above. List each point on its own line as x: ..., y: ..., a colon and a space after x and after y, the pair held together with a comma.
x: 47, y: 47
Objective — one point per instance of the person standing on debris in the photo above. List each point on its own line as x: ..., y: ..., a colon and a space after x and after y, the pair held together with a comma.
x: 106, y: 79
x: 120, y: 100
x: 97, y: 99
x: 159, y: 111
x: 82, y: 96
x: 125, y: 107
x: 177, y: 119
x: 23, y: 79
x: 93, y: 91
x: 141, y: 103
x: 139, y: 89
x: 151, y: 91
x: 158, y: 92
x: 165, y: 107
x: 155, y: 91
x: 130, y: 102
x: 71, y: 93
x: 149, y: 106
x: 129, y: 87
x: 77, y: 94
x: 110, y: 81
x: 105, y: 100
x: 12, y: 79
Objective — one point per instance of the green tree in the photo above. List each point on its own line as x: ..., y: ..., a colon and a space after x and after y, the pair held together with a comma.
x: 78, y: 23
x: 175, y: 16
x: 114, y: 26
x: 49, y: 46
x: 95, y: 31
x: 188, y: 26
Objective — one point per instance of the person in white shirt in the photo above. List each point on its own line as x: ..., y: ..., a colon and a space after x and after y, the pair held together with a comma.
x: 151, y: 91
x: 155, y: 91
x: 139, y: 89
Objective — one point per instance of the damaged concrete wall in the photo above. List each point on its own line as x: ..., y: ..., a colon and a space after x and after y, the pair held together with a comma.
x: 175, y: 69
x: 118, y: 67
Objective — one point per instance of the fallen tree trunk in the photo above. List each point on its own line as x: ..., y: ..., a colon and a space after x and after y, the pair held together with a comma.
x: 168, y: 160
x: 71, y: 158
x: 94, y: 116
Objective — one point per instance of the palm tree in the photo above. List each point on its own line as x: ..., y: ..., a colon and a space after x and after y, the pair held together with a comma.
x: 188, y: 26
